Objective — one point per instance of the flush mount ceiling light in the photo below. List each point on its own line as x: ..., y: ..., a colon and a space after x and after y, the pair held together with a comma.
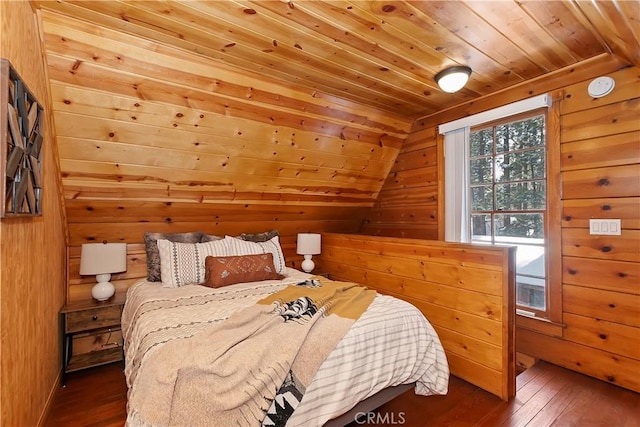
x: 453, y: 79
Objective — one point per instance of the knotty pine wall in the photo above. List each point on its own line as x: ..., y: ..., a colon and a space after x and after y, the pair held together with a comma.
x: 466, y: 292
x: 600, y: 178
x: 32, y: 253
x: 154, y: 138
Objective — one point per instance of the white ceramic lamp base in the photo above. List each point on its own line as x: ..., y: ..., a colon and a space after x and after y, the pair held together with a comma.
x: 104, y: 289
x: 308, y: 265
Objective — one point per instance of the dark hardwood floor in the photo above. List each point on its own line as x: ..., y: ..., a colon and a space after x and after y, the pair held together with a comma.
x: 547, y: 396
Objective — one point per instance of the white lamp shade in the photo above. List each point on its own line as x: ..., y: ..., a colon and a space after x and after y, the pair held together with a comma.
x: 103, y: 258
x: 308, y: 244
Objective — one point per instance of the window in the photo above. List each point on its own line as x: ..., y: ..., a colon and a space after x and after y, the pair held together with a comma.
x: 508, y: 200
x: 502, y: 185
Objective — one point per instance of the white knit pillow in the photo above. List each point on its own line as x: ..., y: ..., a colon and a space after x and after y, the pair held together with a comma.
x: 183, y: 263
x: 243, y: 247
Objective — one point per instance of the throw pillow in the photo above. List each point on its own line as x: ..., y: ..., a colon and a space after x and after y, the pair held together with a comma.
x: 224, y: 271
x: 153, y: 256
x: 183, y: 263
x: 243, y: 247
x: 259, y: 237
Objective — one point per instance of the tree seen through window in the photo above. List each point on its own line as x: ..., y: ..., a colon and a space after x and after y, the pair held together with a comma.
x: 508, y: 197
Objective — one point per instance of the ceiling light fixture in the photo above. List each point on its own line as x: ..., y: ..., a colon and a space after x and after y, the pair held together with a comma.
x: 453, y: 79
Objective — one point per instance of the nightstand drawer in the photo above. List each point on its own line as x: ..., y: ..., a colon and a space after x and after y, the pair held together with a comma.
x: 94, y: 318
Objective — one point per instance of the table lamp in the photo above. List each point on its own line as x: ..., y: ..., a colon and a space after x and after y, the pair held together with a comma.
x: 102, y: 259
x: 308, y: 245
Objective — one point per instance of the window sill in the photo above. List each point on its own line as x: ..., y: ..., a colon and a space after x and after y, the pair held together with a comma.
x: 538, y: 324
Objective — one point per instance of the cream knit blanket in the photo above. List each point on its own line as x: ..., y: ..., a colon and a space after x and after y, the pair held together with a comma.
x: 229, y: 374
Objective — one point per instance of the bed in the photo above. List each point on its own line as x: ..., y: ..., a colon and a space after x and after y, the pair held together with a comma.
x: 389, y: 346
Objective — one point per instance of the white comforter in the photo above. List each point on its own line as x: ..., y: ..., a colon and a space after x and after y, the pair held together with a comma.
x: 390, y: 344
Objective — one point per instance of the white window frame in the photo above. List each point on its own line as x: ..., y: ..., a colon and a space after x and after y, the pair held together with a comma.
x: 456, y: 211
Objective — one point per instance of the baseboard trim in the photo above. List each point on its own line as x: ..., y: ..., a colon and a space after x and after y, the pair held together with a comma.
x: 52, y: 394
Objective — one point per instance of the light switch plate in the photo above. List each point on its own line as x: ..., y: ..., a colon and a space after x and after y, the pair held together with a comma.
x: 609, y: 227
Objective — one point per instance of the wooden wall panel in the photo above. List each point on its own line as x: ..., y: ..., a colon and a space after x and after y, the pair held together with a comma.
x: 465, y: 291
x: 614, y: 306
x: 601, y: 274
x: 577, y: 212
x: 593, y: 361
x: 613, y: 337
x: 408, y: 202
x: 154, y: 137
x: 32, y: 252
x: 600, y: 178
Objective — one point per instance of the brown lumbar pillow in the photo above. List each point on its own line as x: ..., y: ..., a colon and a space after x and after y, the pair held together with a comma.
x: 229, y: 270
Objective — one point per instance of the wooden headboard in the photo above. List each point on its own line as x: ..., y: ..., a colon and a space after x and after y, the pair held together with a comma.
x: 466, y: 291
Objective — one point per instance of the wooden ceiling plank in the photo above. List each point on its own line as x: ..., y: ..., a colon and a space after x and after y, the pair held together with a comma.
x: 92, y: 104
x: 422, y: 31
x: 615, y: 26
x: 242, y: 42
x: 101, y: 131
x: 128, y: 211
x: 476, y: 31
x: 523, y: 31
x: 90, y: 189
x: 90, y: 75
x: 630, y: 10
x: 386, y: 52
x: 125, y: 17
x: 221, y: 71
x: 276, y: 100
x: 395, y: 35
x: 231, y: 169
x: 193, y: 197
x: 123, y: 56
x: 277, y: 25
x: 558, y: 19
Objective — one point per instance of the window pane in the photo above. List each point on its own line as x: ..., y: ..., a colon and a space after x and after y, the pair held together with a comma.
x: 508, y: 199
x: 519, y: 228
x: 520, y: 166
x: 530, y: 292
x: 480, y: 171
x: 530, y: 274
x: 481, y: 143
x: 481, y: 228
x: 520, y: 135
x: 521, y: 196
x: 481, y: 198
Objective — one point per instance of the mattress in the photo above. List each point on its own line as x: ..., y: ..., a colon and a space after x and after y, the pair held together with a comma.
x: 390, y: 344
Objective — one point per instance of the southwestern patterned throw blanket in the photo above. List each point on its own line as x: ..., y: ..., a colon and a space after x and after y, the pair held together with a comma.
x: 262, y: 359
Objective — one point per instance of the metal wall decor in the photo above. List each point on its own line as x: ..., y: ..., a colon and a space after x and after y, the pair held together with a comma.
x: 21, y: 133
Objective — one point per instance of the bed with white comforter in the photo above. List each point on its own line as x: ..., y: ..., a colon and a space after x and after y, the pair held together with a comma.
x: 390, y: 344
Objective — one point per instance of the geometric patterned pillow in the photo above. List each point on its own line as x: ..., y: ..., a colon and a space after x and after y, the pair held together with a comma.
x: 153, y: 255
x: 224, y: 271
x: 183, y: 263
x: 241, y: 247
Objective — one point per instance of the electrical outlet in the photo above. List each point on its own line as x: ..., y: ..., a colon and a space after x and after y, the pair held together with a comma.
x: 609, y: 227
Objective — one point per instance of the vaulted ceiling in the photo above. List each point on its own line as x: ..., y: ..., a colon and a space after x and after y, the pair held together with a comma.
x: 382, y: 54
x: 184, y: 115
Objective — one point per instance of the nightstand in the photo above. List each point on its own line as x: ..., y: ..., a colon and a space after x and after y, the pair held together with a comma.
x: 91, y: 319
